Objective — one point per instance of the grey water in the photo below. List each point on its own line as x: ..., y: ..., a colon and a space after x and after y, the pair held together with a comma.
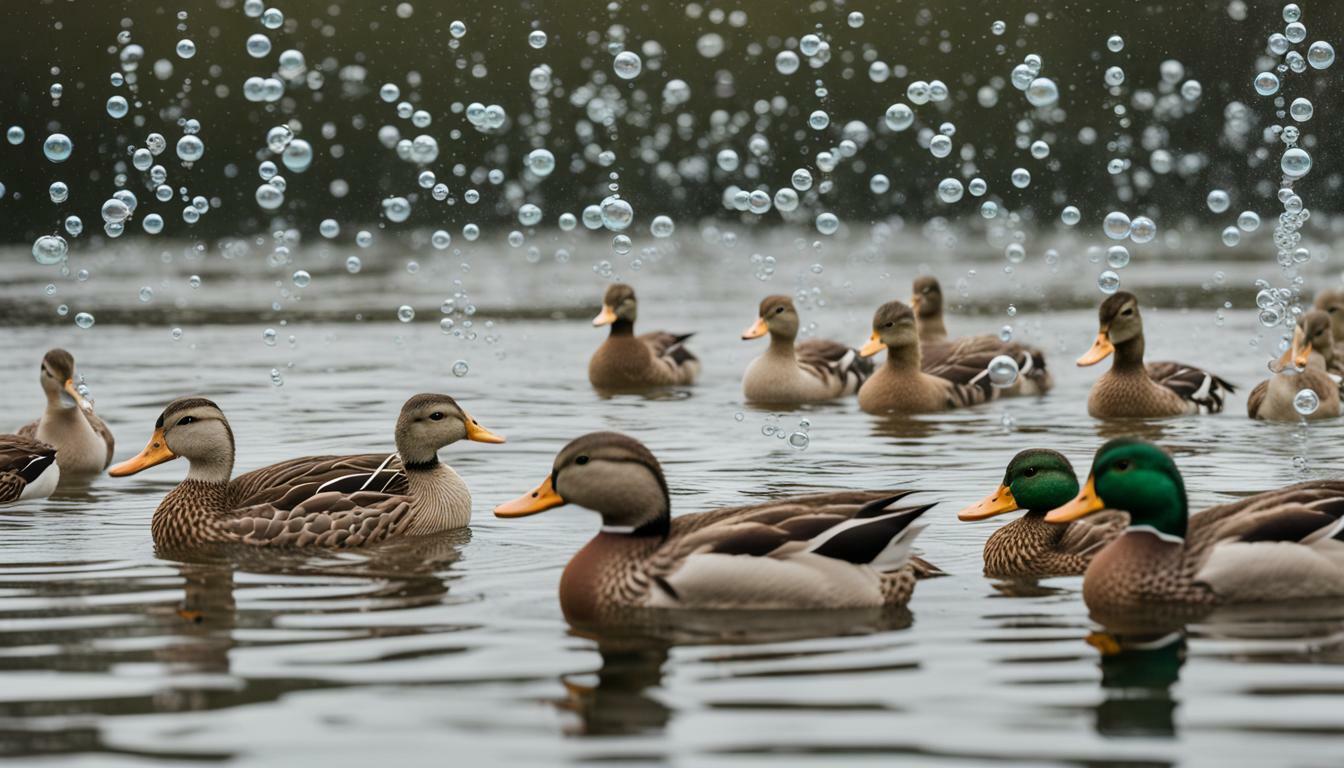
x: 454, y: 651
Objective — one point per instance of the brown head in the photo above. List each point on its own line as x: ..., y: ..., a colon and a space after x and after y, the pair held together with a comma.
x: 617, y: 304
x: 57, y: 376
x: 927, y: 297
x: 893, y: 326
x: 191, y: 427
x: 609, y: 473
x: 1118, y: 322
x: 1312, y: 336
x: 429, y: 422
x: 778, y: 317
x: 1331, y: 302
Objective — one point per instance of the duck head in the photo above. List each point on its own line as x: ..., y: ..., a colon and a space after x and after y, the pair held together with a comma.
x: 893, y: 326
x: 1037, y: 480
x: 1137, y: 477
x: 777, y: 317
x: 1119, y: 322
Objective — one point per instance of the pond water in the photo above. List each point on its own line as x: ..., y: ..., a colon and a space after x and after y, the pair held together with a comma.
x: 455, y: 649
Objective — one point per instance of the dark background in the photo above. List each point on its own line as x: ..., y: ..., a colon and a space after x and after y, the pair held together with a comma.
x: 79, y: 38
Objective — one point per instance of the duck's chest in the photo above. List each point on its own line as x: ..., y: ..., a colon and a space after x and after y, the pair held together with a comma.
x: 1140, y: 569
x: 79, y: 449
x: 606, y: 578
x: 1133, y: 393
x: 1026, y: 547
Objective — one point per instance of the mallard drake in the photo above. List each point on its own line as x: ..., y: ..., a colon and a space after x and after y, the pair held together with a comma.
x: 628, y: 362
x: 808, y: 371
x: 848, y: 549
x: 318, y: 501
x: 901, y: 387
x: 28, y: 469
x: 82, y: 441
x: 940, y: 353
x: 1039, y: 480
x: 1331, y: 302
x: 1277, y: 545
x: 1132, y: 389
x: 1304, y: 366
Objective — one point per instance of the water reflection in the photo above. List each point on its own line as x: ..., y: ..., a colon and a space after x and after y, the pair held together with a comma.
x: 1137, y: 674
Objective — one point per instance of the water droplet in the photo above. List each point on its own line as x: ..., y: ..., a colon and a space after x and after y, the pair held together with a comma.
x: 50, y: 249
x: 627, y: 65
x: 1042, y: 92
x: 1248, y: 221
x: 799, y: 440
x: 1070, y: 215
x: 1116, y: 225
x: 662, y: 226
x: 84, y: 320
x: 405, y: 313
x: 1305, y: 402
x: 1266, y: 84
x: 1320, y: 55
x: 1002, y: 371
x: 899, y: 117
x: 301, y: 278
x: 950, y: 190
x: 1296, y: 163
x: 460, y: 368
x: 1218, y: 201
x: 1108, y: 282
x: 57, y: 147
x: 786, y: 62
x: 537, y: 39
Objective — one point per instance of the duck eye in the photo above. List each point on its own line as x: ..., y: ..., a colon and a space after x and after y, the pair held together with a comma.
x: 889, y: 325
x: 581, y: 460
x: 436, y: 416
x: 1121, y: 465
x: 1128, y: 311
x: 778, y: 310
x: 1029, y: 472
x: 186, y: 420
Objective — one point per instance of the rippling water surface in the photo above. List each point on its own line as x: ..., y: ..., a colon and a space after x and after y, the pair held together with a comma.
x: 454, y: 650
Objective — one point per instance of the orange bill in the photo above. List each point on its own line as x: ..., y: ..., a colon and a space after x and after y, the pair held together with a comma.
x: 542, y: 498
x: 74, y: 395
x: 757, y: 330
x: 1085, y: 503
x: 872, y: 347
x: 480, y: 434
x: 1101, y: 349
x: 606, y: 317
x: 1301, y: 349
x: 154, y: 454
x: 915, y: 300
x: 1105, y: 643
x: 996, y: 503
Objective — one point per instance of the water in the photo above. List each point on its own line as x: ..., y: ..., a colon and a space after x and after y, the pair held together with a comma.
x: 110, y: 655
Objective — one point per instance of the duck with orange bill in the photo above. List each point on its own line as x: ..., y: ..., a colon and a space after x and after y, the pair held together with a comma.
x: 1134, y: 389
x: 626, y: 362
x: 82, y: 441
x: 837, y: 550
x: 791, y: 371
x: 314, y: 501
x: 1302, y: 387
x: 1331, y: 302
x: 900, y: 386
x: 1277, y: 545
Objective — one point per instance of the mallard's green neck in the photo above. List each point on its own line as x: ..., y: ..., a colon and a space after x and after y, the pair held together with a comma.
x: 1141, y: 479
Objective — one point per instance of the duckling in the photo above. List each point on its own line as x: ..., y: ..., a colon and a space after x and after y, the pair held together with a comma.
x: 808, y: 371
x: 1310, y: 358
x: 1131, y: 389
x: 28, y: 469
x: 1039, y: 480
x: 900, y: 386
x: 627, y: 362
x: 941, y: 354
x: 1277, y: 545
x: 847, y: 549
x: 314, y: 501
x: 82, y: 441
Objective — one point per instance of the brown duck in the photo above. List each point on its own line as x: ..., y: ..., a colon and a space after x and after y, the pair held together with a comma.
x: 848, y: 549
x: 28, y: 469
x: 805, y: 371
x: 1331, y: 302
x: 900, y: 386
x: 1305, y: 365
x: 82, y: 441
x: 1131, y: 388
x: 317, y: 501
x: 626, y: 362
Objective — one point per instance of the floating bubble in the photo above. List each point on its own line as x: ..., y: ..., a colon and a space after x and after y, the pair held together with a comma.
x: 57, y: 147
x: 1296, y: 163
x: 879, y: 184
x: 786, y: 62
x: 727, y: 160
x: 50, y: 249
x: 1117, y: 257
x: 1021, y: 178
x: 1266, y: 83
x: 799, y: 440
x: 405, y: 313
x: 617, y: 215
x: 899, y: 117
x: 827, y: 223
x: 1114, y: 76
x: 529, y: 215
x: 1301, y: 109
x: 998, y: 27
x: 541, y: 162
x: 818, y: 120
x: 1248, y: 221
x: 58, y: 192
x: 1042, y: 92
x: 940, y: 146
x: 396, y: 209
x: 801, y: 179
x: 1218, y: 201
x: 1142, y: 229
x: 117, y: 107
x: 186, y: 48
x: 1306, y: 401
x: 1231, y: 236
x: 950, y: 190
x: 115, y: 211
x: 1115, y: 43
x: 1191, y: 90
x: 1070, y: 215
x: 1003, y: 371
x: 258, y: 46
x: 301, y: 278
x: 353, y: 265
x: 14, y: 135
x: 298, y: 156
x: 269, y: 196
x: 460, y: 368
x: 1108, y: 282
x: 537, y: 39
x: 1116, y: 225
x: 84, y: 320
x: 74, y: 225
x: 627, y: 65
x: 190, y: 149
x: 152, y: 224
x: 1320, y: 55
x: 661, y: 226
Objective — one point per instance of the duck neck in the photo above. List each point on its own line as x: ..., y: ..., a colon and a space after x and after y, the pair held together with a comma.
x: 932, y: 328
x: 622, y: 328
x: 440, y: 498
x: 655, y: 525
x: 781, y: 346
x: 214, y: 468
x: 1129, y: 354
x: 904, y: 358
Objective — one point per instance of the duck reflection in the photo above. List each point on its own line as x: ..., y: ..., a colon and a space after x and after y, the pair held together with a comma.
x: 1137, y: 674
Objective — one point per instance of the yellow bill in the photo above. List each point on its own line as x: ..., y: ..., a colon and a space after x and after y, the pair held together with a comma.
x: 997, y: 503
x: 154, y: 454
x: 1085, y: 503
x: 542, y: 498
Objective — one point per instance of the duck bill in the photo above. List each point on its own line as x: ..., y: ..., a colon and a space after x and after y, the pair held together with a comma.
x: 1300, y: 351
x: 1085, y: 503
x: 915, y: 301
x: 153, y: 455
x: 606, y: 317
x: 542, y: 498
x: 756, y: 331
x: 1101, y: 349
x: 872, y: 347
x: 996, y: 503
x: 479, y: 434
x: 73, y: 394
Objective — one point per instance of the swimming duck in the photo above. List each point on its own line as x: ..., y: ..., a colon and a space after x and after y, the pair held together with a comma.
x: 28, y: 469
x: 1331, y: 302
x: 808, y: 371
x: 847, y: 549
x: 1277, y: 545
x: 940, y: 353
x: 1039, y: 480
x: 318, y: 501
x: 82, y: 441
x: 1304, y: 366
x: 1132, y: 389
x: 627, y: 362
x: 901, y: 387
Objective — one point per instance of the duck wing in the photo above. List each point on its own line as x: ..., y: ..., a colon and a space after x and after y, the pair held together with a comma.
x: 671, y: 352
x: 22, y: 461
x: 326, y: 519
x: 311, y: 475
x: 1194, y: 385
x: 1093, y: 532
x: 834, y: 363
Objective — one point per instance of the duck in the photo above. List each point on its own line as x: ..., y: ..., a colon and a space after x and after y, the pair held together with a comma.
x: 1039, y: 480
x: 83, y: 443
x: 901, y: 386
x: 1305, y: 365
x: 1331, y: 302
x: 28, y: 469
x: 813, y: 370
x: 313, y: 501
x: 1131, y: 389
x: 940, y: 353
x: 626, y: 362
x: 839, y: 550
x: 1277, y: 545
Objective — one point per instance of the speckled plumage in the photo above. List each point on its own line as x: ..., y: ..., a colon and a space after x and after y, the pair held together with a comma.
x: 1029, y: 547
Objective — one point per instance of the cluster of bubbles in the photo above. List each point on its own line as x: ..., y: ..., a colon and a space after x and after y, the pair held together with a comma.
x: 798, y: 438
